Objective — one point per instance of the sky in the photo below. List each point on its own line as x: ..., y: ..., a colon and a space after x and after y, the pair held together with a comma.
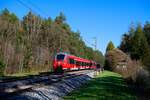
x: 105, y: 19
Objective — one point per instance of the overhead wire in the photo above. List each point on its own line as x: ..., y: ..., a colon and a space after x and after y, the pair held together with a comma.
x: 25, y: 5
x: 89, y: 42
x: 37, y: 7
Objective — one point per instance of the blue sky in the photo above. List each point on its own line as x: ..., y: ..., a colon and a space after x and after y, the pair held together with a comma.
x: 105, y: 19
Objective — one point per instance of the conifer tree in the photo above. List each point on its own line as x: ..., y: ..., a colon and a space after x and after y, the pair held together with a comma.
x: 110, y: 46
x: 60, y: 19
x: 5, y: 12
x: 147, y: 31
x: 140, y: 45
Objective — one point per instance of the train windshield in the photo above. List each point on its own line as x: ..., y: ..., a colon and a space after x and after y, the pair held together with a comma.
x: 60, y: 57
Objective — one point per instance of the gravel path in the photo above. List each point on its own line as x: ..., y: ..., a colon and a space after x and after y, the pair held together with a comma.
x: 55, y: 91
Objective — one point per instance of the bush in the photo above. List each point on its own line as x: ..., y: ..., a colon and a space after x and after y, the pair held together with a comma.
x: 142, y: 78
x: 118, y: 61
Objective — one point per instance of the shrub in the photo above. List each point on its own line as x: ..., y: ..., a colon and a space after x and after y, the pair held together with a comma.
x: 142, y: 78
x: 119, y: 62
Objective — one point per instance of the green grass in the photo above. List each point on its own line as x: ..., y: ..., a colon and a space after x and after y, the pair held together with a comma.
x: 21, y: 75
x: 107, y: 86
x: 26, y: 74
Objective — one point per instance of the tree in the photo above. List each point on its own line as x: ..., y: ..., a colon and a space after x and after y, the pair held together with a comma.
x: 127, y: 39
x: 13, y: 17
x: 5, y: 12
x: 147, y: 31
x: 60, y: 19
x: 99, y: 57
x: 110, y: 46
x: 146, y: 56
x: 2, y: 65
x: 140, y: 45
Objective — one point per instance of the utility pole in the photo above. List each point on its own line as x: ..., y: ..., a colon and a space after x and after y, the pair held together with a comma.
x: 95, y: 45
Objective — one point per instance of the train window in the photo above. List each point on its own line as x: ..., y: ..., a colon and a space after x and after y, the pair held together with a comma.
x: 90, y: 64
x: 82, y: 63
x: 70, y: 61
x: 60, y: 57
x: 77, y: 63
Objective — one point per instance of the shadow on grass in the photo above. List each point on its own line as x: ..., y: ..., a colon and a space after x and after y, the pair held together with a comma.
x: 103, y: 88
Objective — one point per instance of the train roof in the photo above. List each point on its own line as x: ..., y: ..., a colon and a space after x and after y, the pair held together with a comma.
x: 64, y: 53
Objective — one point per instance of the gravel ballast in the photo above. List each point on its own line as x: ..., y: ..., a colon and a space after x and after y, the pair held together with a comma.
x: 57, y: 90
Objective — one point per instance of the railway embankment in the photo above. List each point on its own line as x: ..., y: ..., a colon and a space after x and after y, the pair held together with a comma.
x: 51, y: 89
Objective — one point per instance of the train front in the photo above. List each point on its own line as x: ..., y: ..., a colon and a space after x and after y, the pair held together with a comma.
x: 59, y: 62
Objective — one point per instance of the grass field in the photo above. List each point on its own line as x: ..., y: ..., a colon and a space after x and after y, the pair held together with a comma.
x: 107, y: 86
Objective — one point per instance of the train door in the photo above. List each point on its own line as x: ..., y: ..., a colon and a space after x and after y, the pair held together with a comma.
x: 70, y: 63
x: 77, y: 64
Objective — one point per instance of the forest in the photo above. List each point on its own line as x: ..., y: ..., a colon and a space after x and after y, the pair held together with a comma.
x: 136, y: 43
x: 30, y: 44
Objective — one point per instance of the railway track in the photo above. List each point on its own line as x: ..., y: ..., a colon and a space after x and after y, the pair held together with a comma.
x: 25, y: 77
x: 16, y: 87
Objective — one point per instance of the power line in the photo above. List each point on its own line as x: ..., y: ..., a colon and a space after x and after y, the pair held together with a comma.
x: 35, y: 6
x: 95, y: 44
x: 24, y: 4
x: 89, y: 42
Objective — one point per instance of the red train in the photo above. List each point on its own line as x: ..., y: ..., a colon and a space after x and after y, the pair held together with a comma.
x: 64, y: 61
